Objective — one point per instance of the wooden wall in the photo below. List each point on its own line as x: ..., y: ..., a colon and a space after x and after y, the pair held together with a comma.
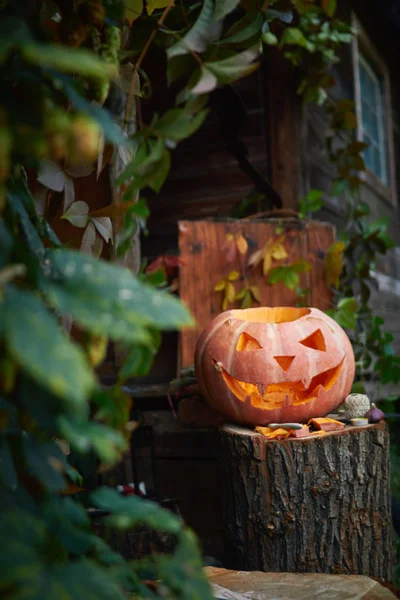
x: 205, y: 180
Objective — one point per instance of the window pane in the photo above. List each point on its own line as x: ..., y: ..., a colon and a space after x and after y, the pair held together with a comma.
x: 374, y: 120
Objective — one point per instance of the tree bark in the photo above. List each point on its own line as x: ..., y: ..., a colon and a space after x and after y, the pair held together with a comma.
x: 319, y: 505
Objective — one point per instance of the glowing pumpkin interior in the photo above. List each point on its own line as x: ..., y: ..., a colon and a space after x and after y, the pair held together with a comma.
x: 277, y: 395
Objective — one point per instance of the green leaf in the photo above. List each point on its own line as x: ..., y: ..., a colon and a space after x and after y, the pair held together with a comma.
x: 270, y: 38
x: 300, y: 266
x: 204, y: 31
x: 142, y: 166
x: 49, y: 357
x: 107, y: 443
x: 247, y: 300
x: 338, y: 187
x: 329, y: 6
x: 311, y: 203
x: 128, y: 512
x: 85, y: 287
x: 276, y: 274
x: 16, y: 191
x: 204, y: 81
x: 45, y: 462
x: 35, y: 568
x: 71, y: 60
x: 348, y: 304
x: 243, y: 29
x: 291, y: 280
x: 223, y: 8
x: 178, y: 124
x: 346, y: 313
x: 137, y: 363
x: 294, y: 36
x: 236, y: 66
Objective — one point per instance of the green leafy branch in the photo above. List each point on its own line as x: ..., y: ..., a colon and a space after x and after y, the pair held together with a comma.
x: 289, y: 274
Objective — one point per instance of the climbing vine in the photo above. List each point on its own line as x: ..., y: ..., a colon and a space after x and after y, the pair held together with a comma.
x: 313, y: 46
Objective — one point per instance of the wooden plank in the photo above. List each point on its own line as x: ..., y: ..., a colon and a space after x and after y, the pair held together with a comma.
x: 201, y: 246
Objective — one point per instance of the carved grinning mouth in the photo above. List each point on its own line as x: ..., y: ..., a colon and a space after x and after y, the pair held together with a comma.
x: 286, y: 393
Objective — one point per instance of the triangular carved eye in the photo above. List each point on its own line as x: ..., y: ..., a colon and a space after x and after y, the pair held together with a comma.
x: 246, y: 342
x: 315, y: 341
x: 284, y: 361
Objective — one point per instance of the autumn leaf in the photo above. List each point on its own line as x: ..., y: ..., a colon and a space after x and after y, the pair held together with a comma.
x: 267, y: 262
x: 230, y: 248
x: 241, y: 293
x: 334, y: 263
x: 255, y: 292
x: 233, y: 275
x: 230, y: 292
x: 278, y: 252
x: 218, y: 287
x: 272, y: 250
x: 255, y: 258
x: 241, y: 243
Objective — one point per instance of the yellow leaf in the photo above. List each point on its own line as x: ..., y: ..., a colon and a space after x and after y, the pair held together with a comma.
x: 218, y: 287
x: 255, y: 292
x: 233, y: 275
x: 225, y: 303
x: 230, y: 292
x: 241, y: 244
x: 334, y: 263
x: 267, y: 262
x: 229, y: 237
x: 133, y: 10
x: 153, y: 4
x: 278, y: 252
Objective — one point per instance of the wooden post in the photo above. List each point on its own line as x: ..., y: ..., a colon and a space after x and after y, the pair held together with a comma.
x: 320, y: 504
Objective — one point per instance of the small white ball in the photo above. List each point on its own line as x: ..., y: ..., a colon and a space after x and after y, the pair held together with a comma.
x: 356, y: 405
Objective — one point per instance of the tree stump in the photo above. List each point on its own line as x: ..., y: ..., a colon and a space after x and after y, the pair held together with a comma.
x: 319, y: 505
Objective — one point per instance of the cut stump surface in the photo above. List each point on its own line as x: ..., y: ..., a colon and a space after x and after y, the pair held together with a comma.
x: 319, y: 505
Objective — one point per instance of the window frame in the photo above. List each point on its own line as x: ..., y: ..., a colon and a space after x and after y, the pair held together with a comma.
x: 365, y: 53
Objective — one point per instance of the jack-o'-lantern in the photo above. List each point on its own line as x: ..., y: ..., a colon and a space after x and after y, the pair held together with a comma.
x: 274, y: 365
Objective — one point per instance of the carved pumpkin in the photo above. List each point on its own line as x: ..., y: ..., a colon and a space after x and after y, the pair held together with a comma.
x: 274, y: 365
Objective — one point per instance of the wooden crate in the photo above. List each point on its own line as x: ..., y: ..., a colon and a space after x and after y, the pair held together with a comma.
x: 201, y: 245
